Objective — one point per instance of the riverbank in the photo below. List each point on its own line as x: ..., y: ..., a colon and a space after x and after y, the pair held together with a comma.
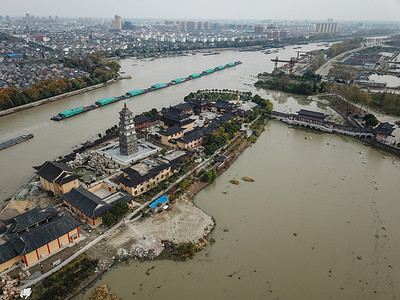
x: 184, y: 222
x: 58, y: 97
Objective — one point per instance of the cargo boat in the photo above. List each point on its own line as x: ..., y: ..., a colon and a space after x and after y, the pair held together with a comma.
x: 100, y: 103
x: 211, y: 53
x: 15, y: 141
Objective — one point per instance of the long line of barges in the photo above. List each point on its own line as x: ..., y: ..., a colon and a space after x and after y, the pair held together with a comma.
x: 100, y: 103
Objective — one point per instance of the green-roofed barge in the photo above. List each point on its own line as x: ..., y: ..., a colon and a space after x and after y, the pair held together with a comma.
x: 100, y: 103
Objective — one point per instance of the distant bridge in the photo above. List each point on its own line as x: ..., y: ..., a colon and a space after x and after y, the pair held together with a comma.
x: 317, y: 121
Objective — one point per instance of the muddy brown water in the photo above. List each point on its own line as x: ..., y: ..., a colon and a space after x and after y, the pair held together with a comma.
x: 53, y: 139
x: 319, y: 222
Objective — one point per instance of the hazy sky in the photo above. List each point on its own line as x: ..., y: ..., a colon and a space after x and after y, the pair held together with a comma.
x: 383, y: 10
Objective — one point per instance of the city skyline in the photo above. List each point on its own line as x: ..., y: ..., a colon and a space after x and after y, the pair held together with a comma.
x: 222, y: 10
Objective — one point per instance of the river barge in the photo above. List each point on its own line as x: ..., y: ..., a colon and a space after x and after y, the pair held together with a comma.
x: 106, y: 101
x: 15, y: 141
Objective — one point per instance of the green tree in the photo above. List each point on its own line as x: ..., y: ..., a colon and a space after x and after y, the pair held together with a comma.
x: 119, y: 209
x: 370, y: 120
x: 109, y: 219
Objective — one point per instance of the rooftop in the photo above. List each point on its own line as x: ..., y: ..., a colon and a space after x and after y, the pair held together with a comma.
x: 57, y: 172
x: 163, y: 199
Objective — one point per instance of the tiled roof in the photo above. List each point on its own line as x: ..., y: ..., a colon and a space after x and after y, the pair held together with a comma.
x: 51, y: 170
x: 90, y: 204
x: 172, y: 130
x: 140, y: 119
x: 29, y: 218
x: 134, y: 178
x: 36, y: 237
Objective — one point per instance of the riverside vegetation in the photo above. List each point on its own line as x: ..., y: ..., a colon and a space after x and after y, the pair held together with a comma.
x: 100, y: 69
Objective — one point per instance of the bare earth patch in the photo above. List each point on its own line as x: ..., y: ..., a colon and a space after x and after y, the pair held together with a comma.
x: 182, y: 222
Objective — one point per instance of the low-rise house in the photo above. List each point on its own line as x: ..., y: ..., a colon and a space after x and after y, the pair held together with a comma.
x: 176, y: 116
x: 170, y: 134
x: 33, y: 235
x: 383, y: 131
x: 142, y: 122
x: 223, y: 106
x: 142, y: 176
x: 199, y: 105
x: 93, y: 203
x: 57, y: 177
x: 185, y: 107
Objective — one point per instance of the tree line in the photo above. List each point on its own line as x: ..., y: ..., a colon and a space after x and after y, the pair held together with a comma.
x: 307, y: 84
x: 335, y: 50
x: 386, y: 102
x: 220, y: 136
x: 214, y: 95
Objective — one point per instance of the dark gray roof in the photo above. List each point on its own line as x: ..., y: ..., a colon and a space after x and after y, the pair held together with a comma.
x: 384, y: 128
x: 134, y: 178
x: 39, y: 236
x: 66, y: 177
x: 172, y: 130
x: 50, y: 170
x: 7, y: 252
x: 90, y: 204
x: 198, y: 133
x: 184, y: 106
x: 36, y: 237
x: 86, y: 202
x: 220, y: 104
x: 312, y: 114
x: 29, y: 218
x: 140, y: 119
x: 175, y: 113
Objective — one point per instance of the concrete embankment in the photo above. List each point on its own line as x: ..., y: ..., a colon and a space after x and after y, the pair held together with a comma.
x: 56, y: 98
x: 385, y: 147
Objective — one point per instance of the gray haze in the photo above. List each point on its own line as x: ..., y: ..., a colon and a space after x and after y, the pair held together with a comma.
x: 366, y: 10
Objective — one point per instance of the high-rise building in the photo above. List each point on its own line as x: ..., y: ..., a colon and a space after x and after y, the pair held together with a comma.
x: 191, y: 25
x: 127, y: 135
x: 259, y: 29
x: 183, y: 26
x: 326, y: 27
x: 116, y: 24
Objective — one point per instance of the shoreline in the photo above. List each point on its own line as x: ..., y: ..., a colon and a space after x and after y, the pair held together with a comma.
x: 191, y: 193
x: 184, y: 222
x: 58, y: 97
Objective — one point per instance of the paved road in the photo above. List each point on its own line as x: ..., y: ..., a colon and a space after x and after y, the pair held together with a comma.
x: 324, y: 69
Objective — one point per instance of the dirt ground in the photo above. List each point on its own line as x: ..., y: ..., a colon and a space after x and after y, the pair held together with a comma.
x: 16, y: 207
x: 182, y: 222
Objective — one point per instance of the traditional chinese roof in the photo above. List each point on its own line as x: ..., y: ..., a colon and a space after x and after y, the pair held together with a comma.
x: 134, y: 177
x: 29, y: 218
x: 56, y: 172
x: 90, y: 204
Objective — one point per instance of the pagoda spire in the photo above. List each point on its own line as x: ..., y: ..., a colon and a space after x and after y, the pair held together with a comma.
x: 128, y: 144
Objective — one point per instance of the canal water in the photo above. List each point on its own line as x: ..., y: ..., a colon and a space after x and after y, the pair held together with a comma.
x: 53, y: 139
x: 319, y: 222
